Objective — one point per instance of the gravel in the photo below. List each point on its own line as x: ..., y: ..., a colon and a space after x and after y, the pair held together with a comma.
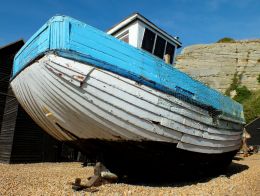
x: 241, y: 178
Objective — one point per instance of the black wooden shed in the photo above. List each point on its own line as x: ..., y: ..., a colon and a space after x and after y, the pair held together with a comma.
x: 6, y: 60
x: 253, y: 128
x: 21, y: 139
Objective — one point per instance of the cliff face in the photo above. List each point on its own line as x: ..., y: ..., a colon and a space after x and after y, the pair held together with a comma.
x: 218, y: 64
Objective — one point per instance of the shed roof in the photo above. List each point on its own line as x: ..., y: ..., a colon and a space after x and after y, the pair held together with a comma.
x: 254, y: 129
x: 254, y: 122
x: 12, y: 44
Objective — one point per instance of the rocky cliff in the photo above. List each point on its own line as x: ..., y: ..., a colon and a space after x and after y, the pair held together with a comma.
x: 220, y: 64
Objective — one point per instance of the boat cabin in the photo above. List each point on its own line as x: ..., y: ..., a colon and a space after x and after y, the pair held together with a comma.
x: 139, y: 32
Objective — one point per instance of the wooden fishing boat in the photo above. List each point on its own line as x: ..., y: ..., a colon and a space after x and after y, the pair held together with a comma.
x: 122, y: 100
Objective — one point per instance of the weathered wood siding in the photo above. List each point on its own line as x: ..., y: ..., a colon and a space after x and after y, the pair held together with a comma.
x: 5, y: 71
x: 7, y: 54
x: 8, y: 128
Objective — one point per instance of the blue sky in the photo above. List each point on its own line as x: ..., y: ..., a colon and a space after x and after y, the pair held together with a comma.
x: 194, y: 21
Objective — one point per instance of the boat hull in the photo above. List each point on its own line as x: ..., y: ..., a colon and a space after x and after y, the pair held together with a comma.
x: 76, y: 102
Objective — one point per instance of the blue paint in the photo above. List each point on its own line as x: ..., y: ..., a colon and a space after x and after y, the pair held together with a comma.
x: 75, y: 40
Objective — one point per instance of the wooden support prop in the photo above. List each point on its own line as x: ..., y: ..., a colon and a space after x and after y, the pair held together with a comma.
x: 101, y: 176
x: 167, y: 58
x: 245, y: 147
x: 77, y: 185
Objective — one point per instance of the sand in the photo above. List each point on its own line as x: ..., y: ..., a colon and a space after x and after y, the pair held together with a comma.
x: 241, y: 178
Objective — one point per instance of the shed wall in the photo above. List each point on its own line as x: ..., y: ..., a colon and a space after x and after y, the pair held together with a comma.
x: 8, y: 128
x: 5, y: 71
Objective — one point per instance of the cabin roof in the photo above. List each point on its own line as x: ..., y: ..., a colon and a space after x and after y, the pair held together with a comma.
x: 137, y: 16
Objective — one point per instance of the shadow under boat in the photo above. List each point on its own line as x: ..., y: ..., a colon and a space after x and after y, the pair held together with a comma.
x: 186, y: 177
x: 157, y: 163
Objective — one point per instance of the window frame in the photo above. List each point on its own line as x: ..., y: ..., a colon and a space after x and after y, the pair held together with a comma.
x: 155, y: 39
x: 123, y: 35
x: 165, y: 42
x: 174, y: 50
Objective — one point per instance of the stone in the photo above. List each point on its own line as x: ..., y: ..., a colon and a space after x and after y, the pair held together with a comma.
x: 216, y: 64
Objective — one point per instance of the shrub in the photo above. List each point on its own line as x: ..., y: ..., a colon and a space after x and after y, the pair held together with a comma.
x: 258, y: 78
x: 242, y: 94
x: 233, y: 85
x: 226, y: 40
x: 252, y: 106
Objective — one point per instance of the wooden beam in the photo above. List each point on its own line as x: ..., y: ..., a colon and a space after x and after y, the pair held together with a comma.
x: 167, y: 58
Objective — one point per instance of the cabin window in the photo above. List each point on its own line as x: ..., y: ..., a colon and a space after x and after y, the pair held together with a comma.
x: 124, y: 37
x: 148, y: 40
x: 159, y: 47
x: 170, y: 49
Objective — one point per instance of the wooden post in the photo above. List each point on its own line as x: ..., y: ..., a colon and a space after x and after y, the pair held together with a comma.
x: 167, y: 58
x: 245, y: 147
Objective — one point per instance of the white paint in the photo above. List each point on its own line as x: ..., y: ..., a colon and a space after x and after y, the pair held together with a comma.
x: 132, y: 33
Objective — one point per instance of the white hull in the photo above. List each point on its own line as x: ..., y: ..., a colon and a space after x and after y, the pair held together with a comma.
x: 72, y: 100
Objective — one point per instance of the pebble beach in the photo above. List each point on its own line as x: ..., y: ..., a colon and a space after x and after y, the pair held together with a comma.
x: 241, y: 178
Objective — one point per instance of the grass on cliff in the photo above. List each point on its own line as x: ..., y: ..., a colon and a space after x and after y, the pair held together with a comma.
x: 234, y: 84
x: 250, y: 100
x: 243, y: 94
x: 226, y: 40
x: 251, y: 103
